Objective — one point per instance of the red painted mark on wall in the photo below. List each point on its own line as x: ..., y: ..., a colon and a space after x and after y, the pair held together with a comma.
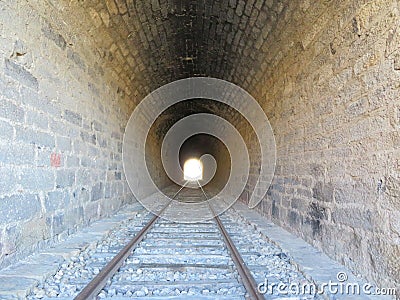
x: 55, y: 160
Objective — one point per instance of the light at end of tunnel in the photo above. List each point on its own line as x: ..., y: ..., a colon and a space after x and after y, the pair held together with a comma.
x: 193, y: 170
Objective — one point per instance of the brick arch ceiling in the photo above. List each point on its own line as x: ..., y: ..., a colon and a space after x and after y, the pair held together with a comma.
x: 166, y: 40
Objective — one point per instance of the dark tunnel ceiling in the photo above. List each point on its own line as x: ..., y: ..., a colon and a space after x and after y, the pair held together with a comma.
x: 175, y: 39
x: 195, y: 106
x: 195, y: 38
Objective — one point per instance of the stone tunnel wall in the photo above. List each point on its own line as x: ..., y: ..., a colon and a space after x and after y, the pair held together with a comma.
x: 331, y: 92
x: 62, y: 115
x: 325, y: 72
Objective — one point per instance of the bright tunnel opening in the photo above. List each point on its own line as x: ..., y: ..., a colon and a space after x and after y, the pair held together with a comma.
x: 193, y: 170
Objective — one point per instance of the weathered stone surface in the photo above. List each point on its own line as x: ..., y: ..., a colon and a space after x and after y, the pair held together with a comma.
x: 56, y: 223
x: 6, y: 130
x: 31, y: 136
x: 19, y: 154
x: 75, y: 57
x: 53, y: 85
x: 57, y: 38
x: 325, y: 73
x: 19, y: 73
x: 338, y: 91
x: 10, y: 111
x: 73, y: 117
x: 65, y: 178
x: 17, y: 284
x: 56, y: 200
x: 323, y: 192
x: 19, y: 208
x: 39, y: 179
x: 97, y: 192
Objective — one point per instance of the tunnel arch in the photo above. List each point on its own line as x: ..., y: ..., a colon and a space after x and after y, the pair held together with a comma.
x: 325, y: 74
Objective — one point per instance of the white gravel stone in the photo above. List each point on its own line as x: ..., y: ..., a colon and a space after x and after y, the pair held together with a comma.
x: 157, y: 249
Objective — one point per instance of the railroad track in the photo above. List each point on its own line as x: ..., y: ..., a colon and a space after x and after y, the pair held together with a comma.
x: 190, y: 251
x: 215, y: 259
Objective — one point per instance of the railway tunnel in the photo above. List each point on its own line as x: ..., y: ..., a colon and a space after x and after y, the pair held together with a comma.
x: 324, y: 73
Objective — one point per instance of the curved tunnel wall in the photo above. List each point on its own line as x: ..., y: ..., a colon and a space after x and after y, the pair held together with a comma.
x: 331, y: 95
x: 325, y: 72
x: 62, y: 117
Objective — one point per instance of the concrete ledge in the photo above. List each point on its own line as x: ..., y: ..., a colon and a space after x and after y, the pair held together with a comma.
x: 18, y: 280
x: 314, y: 264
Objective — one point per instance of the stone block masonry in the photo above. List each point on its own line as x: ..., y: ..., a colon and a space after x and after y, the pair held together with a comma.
x: 331, y: 91
x: 61, y: 129
x: 325, y: 72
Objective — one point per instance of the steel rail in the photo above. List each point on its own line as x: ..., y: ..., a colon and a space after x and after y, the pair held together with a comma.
x: 93, y: 288
x: 97, y: 284
x: 244, y: 272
